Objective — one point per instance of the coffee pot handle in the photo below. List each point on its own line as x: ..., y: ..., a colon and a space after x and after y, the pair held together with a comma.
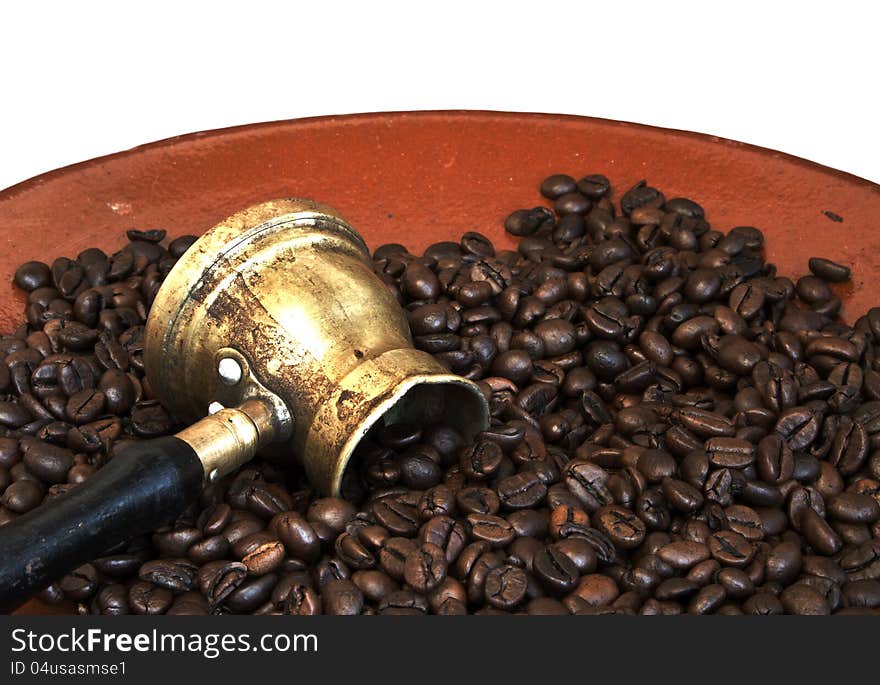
x: 147, y: 485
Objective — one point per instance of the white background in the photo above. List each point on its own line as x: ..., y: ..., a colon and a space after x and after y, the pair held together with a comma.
x: 83, y: 79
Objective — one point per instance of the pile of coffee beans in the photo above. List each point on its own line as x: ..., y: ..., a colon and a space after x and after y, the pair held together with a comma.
x: 676, y: 428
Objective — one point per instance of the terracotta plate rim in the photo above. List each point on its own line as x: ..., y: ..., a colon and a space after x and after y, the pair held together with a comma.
x: 467, y: 114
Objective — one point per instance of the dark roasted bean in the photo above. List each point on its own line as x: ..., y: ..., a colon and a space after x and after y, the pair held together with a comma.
x: 621, y: 525
x: 803, y: 600
x: 522, y: 490
x: 177, y: 575
x: 730, y: 548
x: 393, y: 554
x: 597, y: 590
x: 481, y: 459
x: 492, y: 529
x: 148, y: 599
x: 829, y: 271
x: 505, y: 586
x: 218, y: 579
x: 683, y: 555
x: 588, y: 483
x: 477, y: 500
x: 558, y: 184
x: 447, y: 534
x: 425, y: 567
x: 342, y: 598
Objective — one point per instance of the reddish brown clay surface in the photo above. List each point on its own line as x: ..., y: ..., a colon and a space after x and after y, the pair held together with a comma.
x: 417, y: 178
x: 420, y: 177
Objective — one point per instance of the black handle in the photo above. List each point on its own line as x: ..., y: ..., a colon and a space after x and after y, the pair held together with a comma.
x: 147, y: 485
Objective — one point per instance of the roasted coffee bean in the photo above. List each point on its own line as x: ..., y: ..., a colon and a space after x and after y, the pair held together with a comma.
x: 555, y: 570
x: 587, y: 482
x: 505, y: 586
x: 784, y: 562
x: 480, y: 568
x: 862, y: 593
x: 81, y: 583
x: 597, y: 590
x: 403, y: 603
x: 532, y: 523
x: 812, y: 290
x: 746, y: 300
x: 85, y: 406
x: 118, y: 391
x: 218, y: 579
x: 829, y: 271
x: 419, y: 282
x: 594, y: 186
x: 682, y: 496
x: 565, y: 518
x: 342, y: 598
x: 651, y: 507
x: 437, y: 501
x: 188, y: 604
x: 46, y: 461
x: 418, y: 470
x: 775, y: 460
x: 149, y: 419
x: 849, y: 447
x: 656, y: 465
x: 297, y: 535
x: 818, y: 533
x: 676, y: 589
x: 400, y: 435
x: 745, y: 521
x: 525, y: 222
x: 730, y: 453
x: 556, y: 185
x: 330, y: 568
x: 375, y: 585
x: 522, y: 490
x: 492, y: 529
x: 425, y: 567
x: 177, y: 575
x: 851, y: 507
x: 736, y: 583
x: 798, y: 426
x: 264, y: 558
x: 155, y: 235
x: 32, y: 275
x: 706, y: 424
x: 175, y: 541
x: 13, y: 415
x: 622, y: 526
x: 481, y: 459
x: 397, y: 516
x: 22, y: 495
x: 707, y: 600
x: 694, y: 468
x: 477, y: 500
x: 208, y: 549
x: 763, y: 604
x: 730, y: 548
x: 447, y: 534
x: 148, y: 599
x: 683, y: 555
x: 803, y: 600
x: 393, y: 555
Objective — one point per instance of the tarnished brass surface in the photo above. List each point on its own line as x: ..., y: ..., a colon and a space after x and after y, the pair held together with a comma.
x: 229, y: 438
x: 279, y: 303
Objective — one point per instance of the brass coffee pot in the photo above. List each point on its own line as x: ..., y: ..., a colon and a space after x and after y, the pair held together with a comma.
x: 271, y: 331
